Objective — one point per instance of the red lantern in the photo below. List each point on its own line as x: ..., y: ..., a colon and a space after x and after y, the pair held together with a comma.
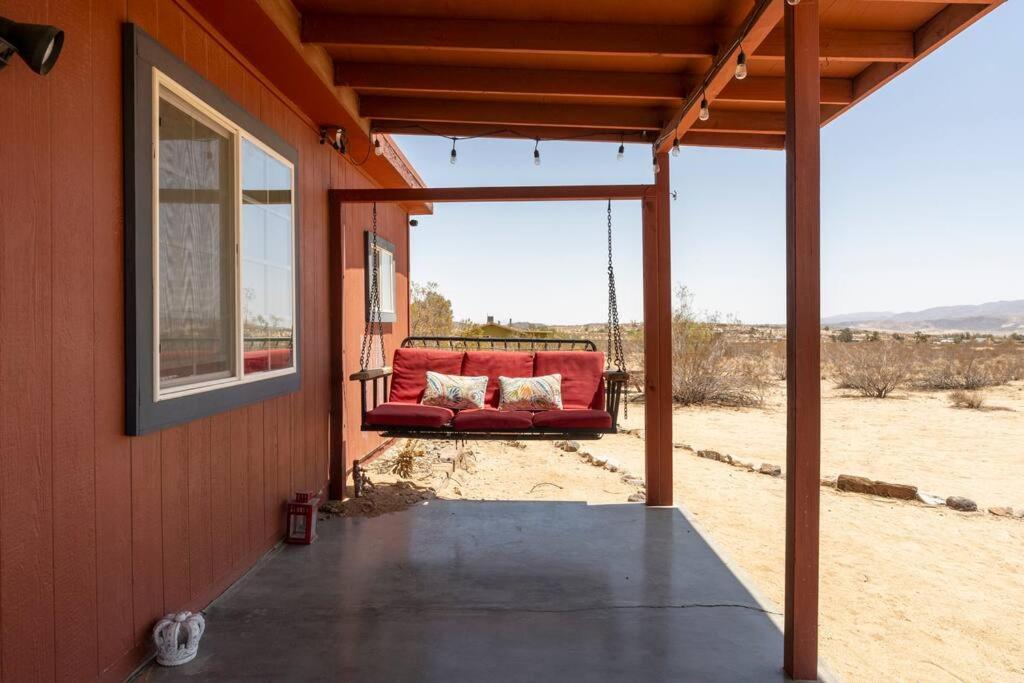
x: 302, y: 511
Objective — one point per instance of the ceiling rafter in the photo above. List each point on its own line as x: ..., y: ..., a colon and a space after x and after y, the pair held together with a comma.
x: 513, y: 113
x: 849, y: 46
x: 509, y: 35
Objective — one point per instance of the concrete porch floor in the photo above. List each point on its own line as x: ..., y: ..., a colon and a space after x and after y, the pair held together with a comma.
x: 492, y: 591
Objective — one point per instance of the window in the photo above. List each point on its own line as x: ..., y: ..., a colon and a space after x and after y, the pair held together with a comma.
x: 384, y: 257
x: 210, y: 251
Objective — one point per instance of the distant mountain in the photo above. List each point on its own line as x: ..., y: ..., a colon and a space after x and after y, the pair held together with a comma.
x: 998, y: 317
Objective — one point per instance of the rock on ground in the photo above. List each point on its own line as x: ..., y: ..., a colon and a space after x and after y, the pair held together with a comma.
x: 848, y: 482
x: 770, y: 469
x: 1001, y: 511
x: 930, y: 499
x: 962, y: 504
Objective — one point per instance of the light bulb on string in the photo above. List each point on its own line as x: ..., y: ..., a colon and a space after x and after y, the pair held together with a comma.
x: 377, y: 148
x: 536, y: 153
x: 792, y: 3
x: 622, y: 151
x: 705, y: 112
x: 741, y: 66
x: 654, y: 164
x: 454, y: 156
x: 675, y: 147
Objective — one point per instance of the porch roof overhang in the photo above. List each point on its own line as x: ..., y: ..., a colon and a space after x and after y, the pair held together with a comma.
x: 608, y: 70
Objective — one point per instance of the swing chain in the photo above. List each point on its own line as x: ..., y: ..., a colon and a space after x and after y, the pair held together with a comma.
x: 615, y: 353
x: 373, y: 322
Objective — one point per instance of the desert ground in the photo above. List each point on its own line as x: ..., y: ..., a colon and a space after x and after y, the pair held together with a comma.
x: 908, y: 592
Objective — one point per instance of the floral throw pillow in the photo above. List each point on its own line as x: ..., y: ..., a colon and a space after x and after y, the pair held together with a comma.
x: 531, y: 393
x: 454, y: 391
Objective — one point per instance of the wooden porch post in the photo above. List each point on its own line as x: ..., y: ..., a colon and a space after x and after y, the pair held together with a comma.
x: 335, y: 269
x: 803, y: 343
x: 658, y: 338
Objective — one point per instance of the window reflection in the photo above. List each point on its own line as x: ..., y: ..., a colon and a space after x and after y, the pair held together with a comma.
x: 196, y: 246
x: 267, y: 262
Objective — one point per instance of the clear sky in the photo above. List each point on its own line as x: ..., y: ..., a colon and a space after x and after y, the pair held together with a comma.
x: 922, y: 205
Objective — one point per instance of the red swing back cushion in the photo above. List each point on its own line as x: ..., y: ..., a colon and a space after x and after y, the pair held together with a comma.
x: 582, y: 376
x: 495, y: 364
x: 409, y: 378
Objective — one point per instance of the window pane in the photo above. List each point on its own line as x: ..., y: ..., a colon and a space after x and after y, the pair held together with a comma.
x: 196, y: 245
x: 267, y: 284
x: 387, y: 280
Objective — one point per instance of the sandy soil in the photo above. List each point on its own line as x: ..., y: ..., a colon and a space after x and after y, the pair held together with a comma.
x: 908, y: 593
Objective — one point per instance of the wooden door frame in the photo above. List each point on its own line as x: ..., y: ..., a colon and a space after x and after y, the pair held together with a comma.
x: 657, y: 303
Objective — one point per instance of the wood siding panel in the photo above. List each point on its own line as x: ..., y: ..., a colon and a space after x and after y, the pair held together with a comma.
x: 26, y: 337
x: 113, y: 449
x: 101, y: 534
x: 74, y: 505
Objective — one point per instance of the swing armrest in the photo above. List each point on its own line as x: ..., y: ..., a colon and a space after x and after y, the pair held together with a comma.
x: 615, y: 386
x: 378, y: 379
x: 372, y: 373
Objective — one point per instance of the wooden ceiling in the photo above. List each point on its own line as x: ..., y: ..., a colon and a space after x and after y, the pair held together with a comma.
x: 610, y: 70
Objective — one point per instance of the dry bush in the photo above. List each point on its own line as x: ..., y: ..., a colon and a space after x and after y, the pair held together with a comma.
x: 705, y: 369
x: 405, y: 459
x: 873, y: 369
x: 963, y: 367
x: 967, y: 399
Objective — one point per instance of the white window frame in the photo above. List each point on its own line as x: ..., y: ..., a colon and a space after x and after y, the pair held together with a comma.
x: 238, y: 133
x: 383, y: 246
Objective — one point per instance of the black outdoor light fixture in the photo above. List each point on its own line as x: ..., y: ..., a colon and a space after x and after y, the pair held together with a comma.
x: 37, y: 44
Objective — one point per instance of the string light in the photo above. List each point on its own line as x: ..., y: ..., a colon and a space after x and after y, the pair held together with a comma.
x: 675, y: 147
x: 741, y: 65
x: 377, y: 149
x: 622, y: 150
x: 654, y: 163
x: 536, y: 152
x: 454, y: 156
x: 705, y: 113
x: 792, y: 3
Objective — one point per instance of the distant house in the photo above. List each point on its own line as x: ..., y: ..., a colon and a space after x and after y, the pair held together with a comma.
x: 496, y: 329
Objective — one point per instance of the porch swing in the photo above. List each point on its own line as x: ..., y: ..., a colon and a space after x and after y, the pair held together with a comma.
x: 593, y: 384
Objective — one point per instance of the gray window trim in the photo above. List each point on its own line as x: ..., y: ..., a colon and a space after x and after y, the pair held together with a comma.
x: 142, y: 413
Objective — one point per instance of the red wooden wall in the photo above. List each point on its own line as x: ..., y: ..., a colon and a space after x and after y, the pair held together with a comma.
x: 100, y: 534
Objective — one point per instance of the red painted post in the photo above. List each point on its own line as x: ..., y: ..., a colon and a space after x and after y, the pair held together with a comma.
x: 658, y: 338
x: 803, y: 342
x: 335, y: 268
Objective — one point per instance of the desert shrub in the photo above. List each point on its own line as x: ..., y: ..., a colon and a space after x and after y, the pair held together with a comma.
x: 704, y: 368
x: 774, y: 358
x: 962, y: 367
x: 430, y: 312
x: 844, y: 335
x: 967, y: 399
x: 874, y: 369
x: 405, y: 459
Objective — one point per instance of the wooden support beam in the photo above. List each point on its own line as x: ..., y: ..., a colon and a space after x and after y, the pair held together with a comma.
x: 488, y: 81
x: 400, y: 127
x: 697, y: 138
x: 652, y: 40
x: 335, y: 297
x: 526, y: 193
x: 513, y: 113
x: 743, y: 121
x: 803, y: 339
x: 657, y: 278
x: 848, y: 46
x: 753, y: 29
x: 768, y: 89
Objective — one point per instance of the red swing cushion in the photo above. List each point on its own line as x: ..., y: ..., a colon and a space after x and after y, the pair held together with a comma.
x: 573, y: 419
x: 582, y: 376
x: 410, y: 371
x: 409, y: 415
x: 490, y: 418
x: 495, y: 364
